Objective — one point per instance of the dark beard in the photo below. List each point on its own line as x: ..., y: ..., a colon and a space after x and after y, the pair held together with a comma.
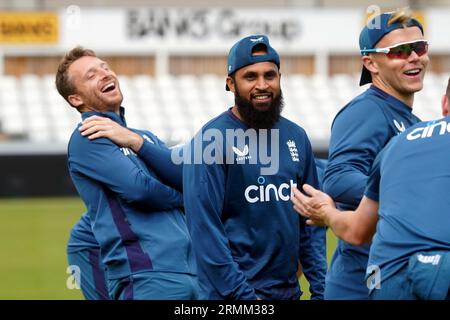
x: 255, y: 118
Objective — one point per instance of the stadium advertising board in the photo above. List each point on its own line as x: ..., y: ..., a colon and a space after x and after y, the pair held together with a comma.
x: 190, y: 30
x: 214, y: 30
x: 28, y: 28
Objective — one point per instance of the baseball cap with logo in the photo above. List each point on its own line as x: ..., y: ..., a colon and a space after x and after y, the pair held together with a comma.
x: 241, y: 53
x: 372, y: 33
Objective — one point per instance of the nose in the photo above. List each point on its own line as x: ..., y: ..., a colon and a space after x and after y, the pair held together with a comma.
x: 261, y: 83
x: 105, y: 73
x: 413, y: 56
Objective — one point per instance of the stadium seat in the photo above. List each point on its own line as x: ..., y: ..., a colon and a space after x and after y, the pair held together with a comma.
x: 175, y: 107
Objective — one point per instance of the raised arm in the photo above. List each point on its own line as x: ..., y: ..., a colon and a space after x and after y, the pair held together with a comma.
x: 355, y: 227
x: 103, y: 161
x: 159, y: 158
x: 358, y: 134
x: 148, y: 147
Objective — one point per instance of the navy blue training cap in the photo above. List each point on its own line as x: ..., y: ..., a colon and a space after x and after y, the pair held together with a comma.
x: 372, y: 33
x: 240, y: 54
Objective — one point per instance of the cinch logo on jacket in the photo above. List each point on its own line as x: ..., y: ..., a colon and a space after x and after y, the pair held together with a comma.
x: 428, y: 131
x: 264, y: 193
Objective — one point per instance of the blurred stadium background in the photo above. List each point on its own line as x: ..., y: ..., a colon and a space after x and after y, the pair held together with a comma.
x: 171, y: 58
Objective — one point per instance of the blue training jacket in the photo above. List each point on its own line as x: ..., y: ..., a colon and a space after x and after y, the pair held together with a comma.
x: 137, y: 220
x: 81, y: 236
x: 410, y: 180
x: 246, y: 235
x: 359, y: 132
x: 158, y: 158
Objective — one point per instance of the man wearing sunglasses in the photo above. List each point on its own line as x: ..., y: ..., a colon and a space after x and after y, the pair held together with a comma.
x: 394, y: 57
x: 410, y: 252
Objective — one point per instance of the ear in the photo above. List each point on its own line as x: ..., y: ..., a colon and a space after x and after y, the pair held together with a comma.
x: 370, y: 64
x: 445, y: 105
x: 75, y: 100
x: 230, y: 84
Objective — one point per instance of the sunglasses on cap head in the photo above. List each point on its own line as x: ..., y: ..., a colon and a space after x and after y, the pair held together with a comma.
x: 402, y: 50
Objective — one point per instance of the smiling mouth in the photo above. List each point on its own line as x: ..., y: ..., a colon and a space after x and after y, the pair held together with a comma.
x: 109, y: 87
x: 262, y: 97
x: 413, y: 72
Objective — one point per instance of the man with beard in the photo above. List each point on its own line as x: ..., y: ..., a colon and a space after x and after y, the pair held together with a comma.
x: 246, y: 236
x: 134, y: 216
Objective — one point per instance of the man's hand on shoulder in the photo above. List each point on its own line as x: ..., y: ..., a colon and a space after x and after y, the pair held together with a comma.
x: 100, y: 127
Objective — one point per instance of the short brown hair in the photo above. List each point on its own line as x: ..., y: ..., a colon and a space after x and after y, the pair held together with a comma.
x: 64, y: 85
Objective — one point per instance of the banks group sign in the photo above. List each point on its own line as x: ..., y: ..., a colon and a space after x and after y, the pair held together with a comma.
x: 207, y: 24
x: 196, y: 30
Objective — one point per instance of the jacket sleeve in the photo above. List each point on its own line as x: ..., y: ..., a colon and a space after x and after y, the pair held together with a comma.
x: 204, y: 186
x: 103, y: 161
x: 312, y: 248
x: 372, y: 190
x: 357, y: 135
x: 159, y: 158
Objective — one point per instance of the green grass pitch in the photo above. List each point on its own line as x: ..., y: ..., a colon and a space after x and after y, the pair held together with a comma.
x: 33, y: 237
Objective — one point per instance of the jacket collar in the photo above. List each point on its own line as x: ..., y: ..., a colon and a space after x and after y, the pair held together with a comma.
x: 398, y: 104
x: 119, y: 118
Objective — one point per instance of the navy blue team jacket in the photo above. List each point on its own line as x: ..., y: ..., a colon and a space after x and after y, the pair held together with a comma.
x: 246, y: 235
x: 410, y: 180
x: 359, y: 132
x: 137, y: 220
